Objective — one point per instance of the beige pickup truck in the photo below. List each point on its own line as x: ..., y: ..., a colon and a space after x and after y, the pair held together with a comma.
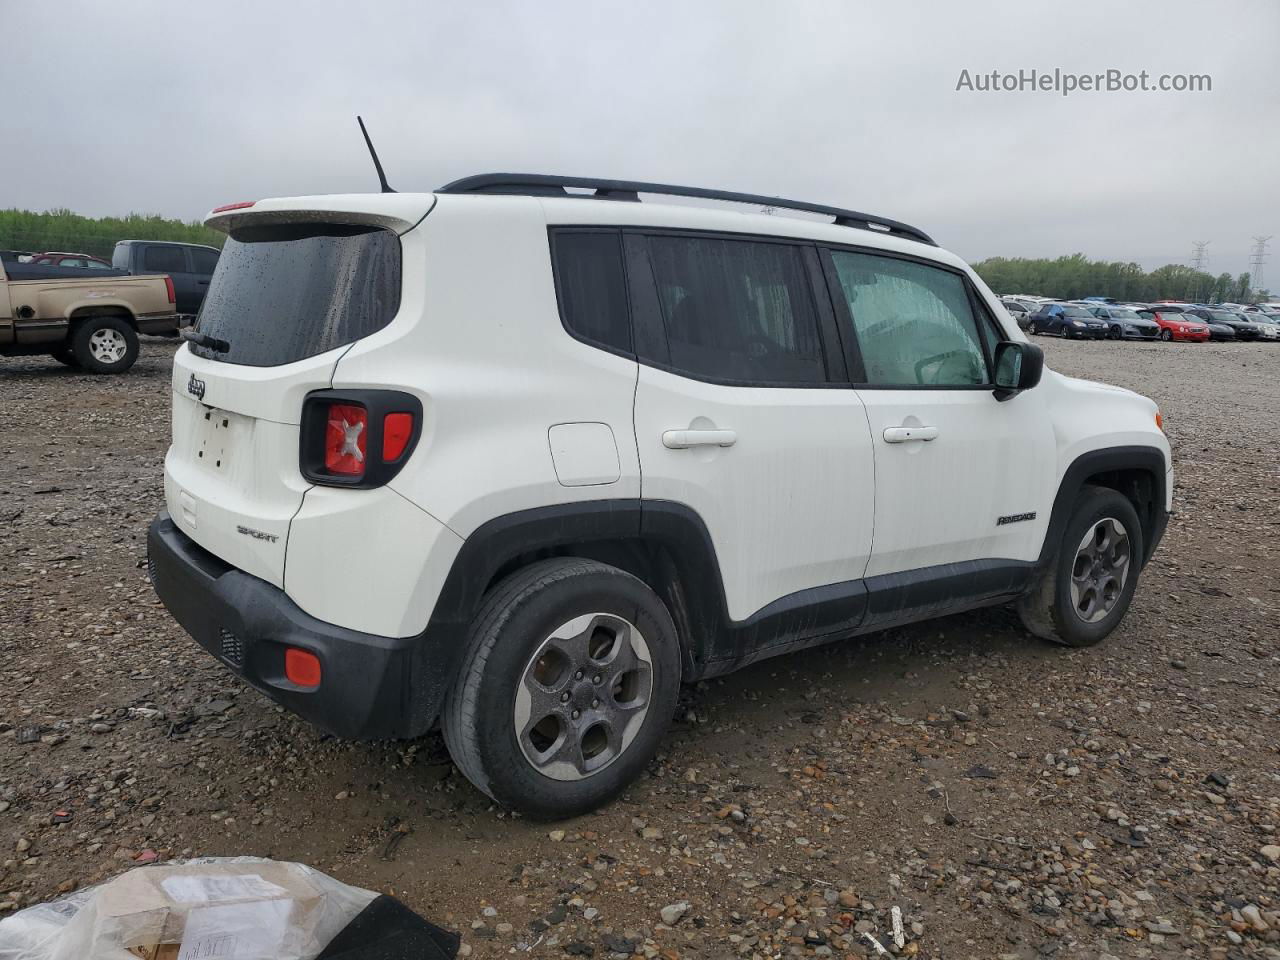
x: 87, y: 319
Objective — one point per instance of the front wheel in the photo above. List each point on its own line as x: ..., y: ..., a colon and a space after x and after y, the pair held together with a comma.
x: 1082, y: 594
x: 64, y: 356
x: 1114, y: 333
x: 1166, y: 335
x: 570, y: 678
x: 105, y: 344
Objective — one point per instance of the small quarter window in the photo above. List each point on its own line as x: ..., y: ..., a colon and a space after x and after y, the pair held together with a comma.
x: 592, y: 287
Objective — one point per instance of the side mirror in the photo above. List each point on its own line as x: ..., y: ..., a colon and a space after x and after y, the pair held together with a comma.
x: 1018, y: 368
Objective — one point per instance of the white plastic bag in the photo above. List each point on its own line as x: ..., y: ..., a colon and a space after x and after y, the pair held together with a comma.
x: 240, y: 908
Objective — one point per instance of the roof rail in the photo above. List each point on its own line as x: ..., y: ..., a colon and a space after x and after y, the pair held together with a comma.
x: 545, y: 185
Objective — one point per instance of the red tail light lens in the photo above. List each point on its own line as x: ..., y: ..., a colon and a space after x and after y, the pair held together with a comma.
x: 346, y: 439
x: 168, y: 288
x: 357, y: 439
x: 397, y: 430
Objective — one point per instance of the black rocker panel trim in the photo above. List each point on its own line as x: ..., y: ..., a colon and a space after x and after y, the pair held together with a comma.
x: 692, y: 588
x: 1152, y: 515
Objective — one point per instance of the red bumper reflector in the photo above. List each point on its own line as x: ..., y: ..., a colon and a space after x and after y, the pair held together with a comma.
x: 397, y: 428
x: 345, y: 439
x: 301, y: 667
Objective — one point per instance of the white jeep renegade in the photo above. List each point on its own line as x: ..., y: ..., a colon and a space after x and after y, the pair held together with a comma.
x: 523, y: 455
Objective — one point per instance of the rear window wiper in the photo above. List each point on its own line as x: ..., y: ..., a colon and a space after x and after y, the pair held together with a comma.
x: 204, y: 340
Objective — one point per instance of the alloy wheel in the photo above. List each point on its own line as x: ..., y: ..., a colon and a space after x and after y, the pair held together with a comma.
x: 1100, y: 570
x: 108, y: 345
x: 583, y: 696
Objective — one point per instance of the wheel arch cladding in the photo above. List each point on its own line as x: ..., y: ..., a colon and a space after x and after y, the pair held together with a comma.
x: 1136, y: 472
x: 665, y: 545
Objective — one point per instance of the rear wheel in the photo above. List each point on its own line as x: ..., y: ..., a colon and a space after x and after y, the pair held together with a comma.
x: 105, y: 344
x: 1166, y: 335
x: 1114, y: 333
x: 571, y: 675
x: 1033, y: 328
x: 1085, y: 590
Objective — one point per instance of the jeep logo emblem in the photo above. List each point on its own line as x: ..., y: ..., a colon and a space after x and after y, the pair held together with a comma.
x: 195, y: 387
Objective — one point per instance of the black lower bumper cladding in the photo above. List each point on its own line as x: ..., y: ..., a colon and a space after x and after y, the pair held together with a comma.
x: 367, y: 686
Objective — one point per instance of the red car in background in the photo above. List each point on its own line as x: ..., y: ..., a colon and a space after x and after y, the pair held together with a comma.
x: 1176, y: 325
x: 81, y: 260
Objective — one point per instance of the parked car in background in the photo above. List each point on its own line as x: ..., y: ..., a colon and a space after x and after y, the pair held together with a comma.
x: 1267, y: 328
x: 1017, y: 310
x: 189, y: 264
x: 83, y: 321
x: 1174, y: 325
x: 1243, y: 329
x: 1067, y: 320
x: 1124, y: 323
x: 84, y: 261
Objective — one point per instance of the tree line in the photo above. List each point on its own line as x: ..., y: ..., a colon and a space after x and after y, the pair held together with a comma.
x: 1075, y: 276
x: 1066, y: 278
x: 26, y: 230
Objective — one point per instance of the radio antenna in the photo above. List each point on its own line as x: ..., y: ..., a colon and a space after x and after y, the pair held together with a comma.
x: 377, y: 164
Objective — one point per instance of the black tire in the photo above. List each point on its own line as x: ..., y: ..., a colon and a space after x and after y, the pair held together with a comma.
x: 1047, y: 609
x: 515, y: 618
x: 1166, y: 335
x: 64, y: 356
x: 92, y: 355
x: 1114, y: 333
x: 1033, y: 328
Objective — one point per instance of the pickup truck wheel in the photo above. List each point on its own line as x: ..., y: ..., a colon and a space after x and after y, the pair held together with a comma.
x: 64, y: 355
x: 105, y: 344
x: 1085, y: 590
x: 571, y: 675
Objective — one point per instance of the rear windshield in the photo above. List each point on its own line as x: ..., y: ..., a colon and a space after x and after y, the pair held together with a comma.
x: 285, y: 292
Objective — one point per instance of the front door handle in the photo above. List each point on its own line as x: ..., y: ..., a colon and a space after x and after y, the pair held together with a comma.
x: 907, y: 434
x: 684, y: 439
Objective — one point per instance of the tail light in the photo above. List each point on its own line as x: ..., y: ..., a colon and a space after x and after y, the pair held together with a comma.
x: 168, y: 289
x: 357, y: 438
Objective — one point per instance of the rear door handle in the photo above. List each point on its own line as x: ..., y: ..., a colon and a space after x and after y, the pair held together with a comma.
x: 907, y: 434
x: 684, y: 439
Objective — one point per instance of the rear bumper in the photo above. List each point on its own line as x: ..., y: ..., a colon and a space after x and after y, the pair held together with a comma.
x: 367, y: 690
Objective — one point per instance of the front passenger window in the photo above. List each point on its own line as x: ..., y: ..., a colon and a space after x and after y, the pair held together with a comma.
x: 914, y: 324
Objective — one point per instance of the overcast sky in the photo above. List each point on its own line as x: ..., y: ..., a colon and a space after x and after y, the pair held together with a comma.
x: 176, y: 107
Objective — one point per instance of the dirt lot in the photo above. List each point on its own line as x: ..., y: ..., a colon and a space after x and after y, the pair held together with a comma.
x: 1013, y: 799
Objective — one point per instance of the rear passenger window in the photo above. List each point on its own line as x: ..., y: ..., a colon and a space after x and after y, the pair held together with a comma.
x: 914, y: 323
x: 164, y: 260
x: 203, y: 261
x: 737, y: 310
x: 592, y: 288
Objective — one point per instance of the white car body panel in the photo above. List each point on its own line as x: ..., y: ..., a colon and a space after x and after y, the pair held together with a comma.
x: 516, y: 413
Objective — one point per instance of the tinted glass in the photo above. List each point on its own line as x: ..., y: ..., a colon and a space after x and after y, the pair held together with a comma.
x: 914, y: 323
x: 1223, y: 315
x: 1119, y: 314
x: 283, y: 293
x: 593, y: 288
x: 203, y: 261
x: 95, y: 265
x: 163, y: 260
x: 737, y: 310
x: 1072, y: 311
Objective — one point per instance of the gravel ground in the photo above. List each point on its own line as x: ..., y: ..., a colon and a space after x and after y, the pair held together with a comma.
x: 1012, y: 799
